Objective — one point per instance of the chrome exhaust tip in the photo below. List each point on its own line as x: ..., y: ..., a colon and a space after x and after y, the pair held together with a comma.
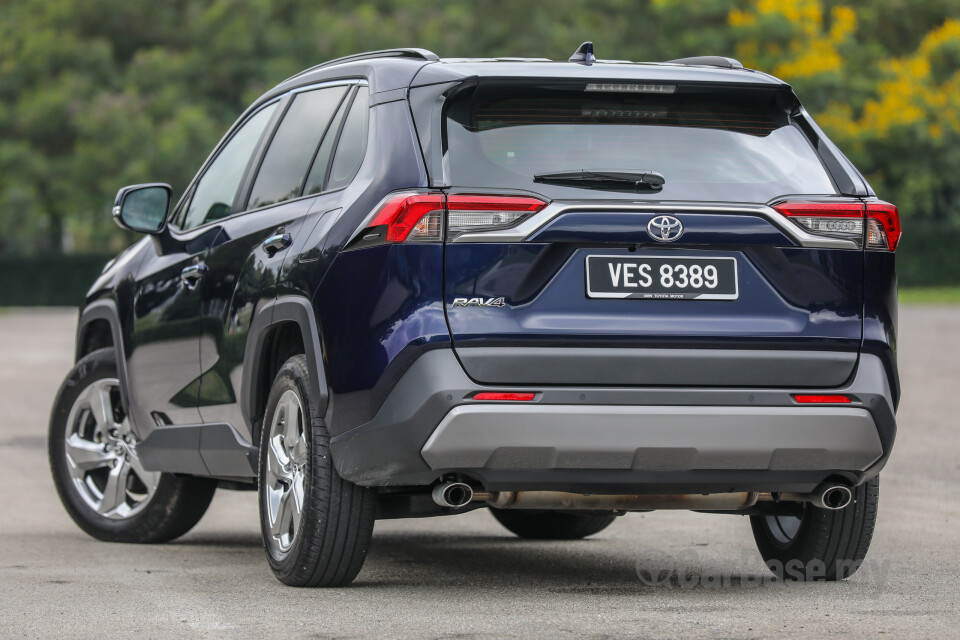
x: 833, y: 497
x: 454, y: 495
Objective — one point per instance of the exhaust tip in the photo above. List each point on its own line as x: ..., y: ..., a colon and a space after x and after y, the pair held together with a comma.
x: 835, y: 497
x: 453, y: 494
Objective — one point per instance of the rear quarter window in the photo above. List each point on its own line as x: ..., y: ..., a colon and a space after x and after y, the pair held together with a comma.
x: 352, y: 143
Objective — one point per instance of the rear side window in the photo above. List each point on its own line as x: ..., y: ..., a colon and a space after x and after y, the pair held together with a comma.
x: 294, y: 146
x: 709, y: 146
x: 353, y: 142
x: 318, y: 172
x: 216, y: 190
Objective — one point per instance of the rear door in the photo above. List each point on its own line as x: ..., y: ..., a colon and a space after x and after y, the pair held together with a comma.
x: 163, y: 366
x: 709, y: 279
x: 284, y: 185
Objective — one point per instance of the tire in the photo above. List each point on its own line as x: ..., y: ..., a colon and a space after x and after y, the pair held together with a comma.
x: 325, y: 543
x: 97, y: 472
x: 551, y: 525
x: 819, y: 544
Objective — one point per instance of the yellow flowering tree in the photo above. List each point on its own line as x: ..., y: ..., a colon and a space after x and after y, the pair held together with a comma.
x: 897, y: 116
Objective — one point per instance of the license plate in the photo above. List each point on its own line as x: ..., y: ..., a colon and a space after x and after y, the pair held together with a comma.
x: 662, y: 278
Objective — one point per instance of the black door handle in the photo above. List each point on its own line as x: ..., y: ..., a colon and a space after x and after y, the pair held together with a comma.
x: 192, y: 275
x: 275, y: 243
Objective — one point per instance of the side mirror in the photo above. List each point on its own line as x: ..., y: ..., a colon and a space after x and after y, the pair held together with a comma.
x: 143, y: 207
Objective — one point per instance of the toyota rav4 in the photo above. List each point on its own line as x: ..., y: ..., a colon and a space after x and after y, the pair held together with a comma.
x: 410, y: 286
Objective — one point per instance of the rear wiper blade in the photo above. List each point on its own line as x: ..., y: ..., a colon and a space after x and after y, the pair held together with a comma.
x: 604, y: 179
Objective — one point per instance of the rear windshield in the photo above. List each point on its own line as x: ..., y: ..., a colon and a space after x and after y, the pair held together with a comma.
x: 708, y: 146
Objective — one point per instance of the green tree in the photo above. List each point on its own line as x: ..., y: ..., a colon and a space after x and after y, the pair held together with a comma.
x: 96, y: 94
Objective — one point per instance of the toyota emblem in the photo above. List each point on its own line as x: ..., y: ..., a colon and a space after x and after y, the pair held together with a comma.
x: 665, y: 228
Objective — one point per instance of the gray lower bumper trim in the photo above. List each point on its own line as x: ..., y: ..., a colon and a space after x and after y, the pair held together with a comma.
x: 662, y: 438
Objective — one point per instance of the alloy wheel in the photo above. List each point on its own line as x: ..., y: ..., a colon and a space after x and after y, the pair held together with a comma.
x: 286, y: 469
x: 102, y: 457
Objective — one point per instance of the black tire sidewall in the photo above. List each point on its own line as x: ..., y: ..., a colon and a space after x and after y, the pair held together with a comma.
x: 336, y: 522
x: 829, y: 545
x: 772, y: 549
x: 550, y: 524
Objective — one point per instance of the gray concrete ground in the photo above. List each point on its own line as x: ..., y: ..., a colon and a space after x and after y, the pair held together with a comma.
x: 465, y: 577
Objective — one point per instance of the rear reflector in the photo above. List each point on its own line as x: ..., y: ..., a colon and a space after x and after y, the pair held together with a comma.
x: 814, y: 399
x: 508, y: 396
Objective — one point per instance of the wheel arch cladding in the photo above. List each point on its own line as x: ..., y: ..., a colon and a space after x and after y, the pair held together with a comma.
x: 98, y: 328
x: 272, y: 339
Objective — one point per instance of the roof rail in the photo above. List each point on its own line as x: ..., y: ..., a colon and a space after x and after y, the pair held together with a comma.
x: 709, y: 61
x: 411, y: 52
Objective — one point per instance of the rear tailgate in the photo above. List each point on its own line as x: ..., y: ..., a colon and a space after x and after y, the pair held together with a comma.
x: 701, y: 282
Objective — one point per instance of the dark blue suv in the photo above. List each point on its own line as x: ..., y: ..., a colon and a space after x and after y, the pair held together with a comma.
x: 405, y: 286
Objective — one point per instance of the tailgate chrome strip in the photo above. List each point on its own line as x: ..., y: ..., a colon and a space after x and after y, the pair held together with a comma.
x: 556, y: 208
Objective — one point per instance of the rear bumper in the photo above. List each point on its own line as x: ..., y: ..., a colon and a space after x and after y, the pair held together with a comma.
x: 661, y: 367
x: 653, y: 438
x: 617, y: 439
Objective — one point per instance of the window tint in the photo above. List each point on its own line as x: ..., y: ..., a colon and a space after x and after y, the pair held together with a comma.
x: 353, y: 142
x: 293, y: 146
x: 708, y: 145
x: 318, y: 172
x: 214, y: 194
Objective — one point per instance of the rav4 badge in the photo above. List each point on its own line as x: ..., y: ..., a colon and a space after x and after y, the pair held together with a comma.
x: 478, y: 302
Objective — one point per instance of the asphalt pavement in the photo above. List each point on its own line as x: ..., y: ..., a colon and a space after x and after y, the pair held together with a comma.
x: 657, y: 575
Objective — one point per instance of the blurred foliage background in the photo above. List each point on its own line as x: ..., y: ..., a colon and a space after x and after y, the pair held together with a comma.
x: 97, y: 94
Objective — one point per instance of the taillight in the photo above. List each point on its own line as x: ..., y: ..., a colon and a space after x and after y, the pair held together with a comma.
x: 846, y: 220
x: 470, y: 213
x: 883, y: 225
x: 837, y: 219
x: 410, y: 216
x: 406, y: 217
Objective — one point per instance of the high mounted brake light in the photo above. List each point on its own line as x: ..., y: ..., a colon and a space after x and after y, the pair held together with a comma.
x: 620, y: 87
x: 846, y: 220
x: 410, y: 216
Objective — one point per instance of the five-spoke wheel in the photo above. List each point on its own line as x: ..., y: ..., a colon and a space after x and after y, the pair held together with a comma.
x: 316, y: 526
x: 101, y: 454
x: 98, y: 470
x: 285, y: 469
